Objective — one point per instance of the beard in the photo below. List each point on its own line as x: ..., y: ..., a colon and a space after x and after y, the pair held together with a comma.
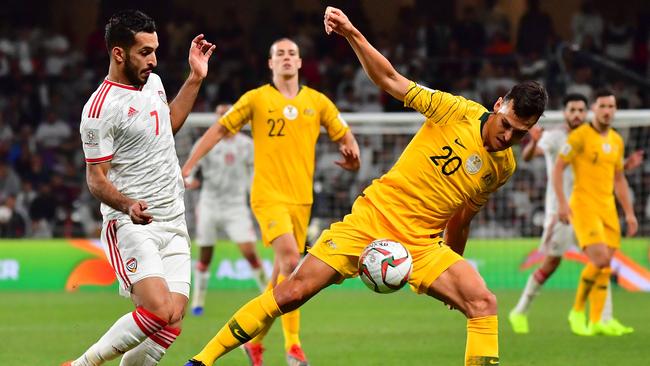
x: 132, y: 74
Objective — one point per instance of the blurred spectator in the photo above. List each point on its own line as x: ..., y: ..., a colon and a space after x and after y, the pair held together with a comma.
x: 52, y: 132
x: 535, y: 32
x: 9, y: 181
x: 618, y: 38
x: 587, y: 27
x: 42, y: 212
x: 12, y: 224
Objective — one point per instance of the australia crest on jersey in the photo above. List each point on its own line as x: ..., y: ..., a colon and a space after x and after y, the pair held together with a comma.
x: 290, y: 112
x: 607, y: 148
x: 473, y: 164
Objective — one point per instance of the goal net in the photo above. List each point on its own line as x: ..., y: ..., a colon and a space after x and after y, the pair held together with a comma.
x: 516, y: 210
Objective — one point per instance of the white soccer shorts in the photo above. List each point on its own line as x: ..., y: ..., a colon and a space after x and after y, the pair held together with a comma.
x: 234, y: 220
x: 159, y: 249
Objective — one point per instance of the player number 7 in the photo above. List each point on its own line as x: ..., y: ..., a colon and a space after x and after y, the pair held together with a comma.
x: 155, y: 114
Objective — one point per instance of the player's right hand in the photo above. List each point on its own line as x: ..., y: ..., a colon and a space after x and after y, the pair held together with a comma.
x: 137, y: 213
x: 564, y: 213
x: 632, y: 225
x: 222, y: 109
x: 335, y: 20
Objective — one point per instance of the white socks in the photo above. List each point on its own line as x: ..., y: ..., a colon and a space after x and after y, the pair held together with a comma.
x: 126, y: 333
x: 152, y: 349
x: 200, y: 289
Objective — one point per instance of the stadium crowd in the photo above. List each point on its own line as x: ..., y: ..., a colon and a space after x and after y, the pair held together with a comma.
x: 45, y: 78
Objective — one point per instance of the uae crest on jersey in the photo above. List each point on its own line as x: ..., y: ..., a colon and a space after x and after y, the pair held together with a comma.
x: 162, y: 96
x: 132, y: 265
x: 473, y: 164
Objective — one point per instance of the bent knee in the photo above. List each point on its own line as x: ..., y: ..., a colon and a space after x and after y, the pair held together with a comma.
x: 164, y: 309
x: 484, y: 303
x: 290, y: 294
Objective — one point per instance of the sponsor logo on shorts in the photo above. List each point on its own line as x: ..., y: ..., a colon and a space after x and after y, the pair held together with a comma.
x: 330, y: 243
x: 272, y: 224
x: 132, y: 265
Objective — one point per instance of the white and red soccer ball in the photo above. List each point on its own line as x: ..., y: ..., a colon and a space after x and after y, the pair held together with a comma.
x: 385, y: 266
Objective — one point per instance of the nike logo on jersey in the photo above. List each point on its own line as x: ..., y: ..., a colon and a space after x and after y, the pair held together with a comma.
x: 271, y: 110
x: 457, y: 141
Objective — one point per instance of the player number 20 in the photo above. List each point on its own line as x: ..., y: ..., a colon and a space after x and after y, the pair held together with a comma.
x: 450, y: 164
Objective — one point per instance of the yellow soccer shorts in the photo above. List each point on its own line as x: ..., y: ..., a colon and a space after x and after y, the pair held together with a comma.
x: 596, y: 225
x: 341, y: 245
x: 276, y: 219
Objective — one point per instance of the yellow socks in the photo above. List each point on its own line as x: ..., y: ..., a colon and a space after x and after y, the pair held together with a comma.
x: 587, y: 280
x: 598, y: 295
x: 482, y: 341
x: 249, y: 320
x: 290, y: 324
x: 264, y: 331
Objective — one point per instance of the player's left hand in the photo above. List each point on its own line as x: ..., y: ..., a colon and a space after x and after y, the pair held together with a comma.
x: 632, y: 224
x: 200, y: 52
x: 634, y: 160
x: 351, y: 157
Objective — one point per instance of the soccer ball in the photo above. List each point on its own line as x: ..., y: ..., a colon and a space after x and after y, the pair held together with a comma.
x: 385, y: 266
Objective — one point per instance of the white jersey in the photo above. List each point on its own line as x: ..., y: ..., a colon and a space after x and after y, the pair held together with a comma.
x: 131, y: 128
x: 551, y: 142
x: 226, y: 170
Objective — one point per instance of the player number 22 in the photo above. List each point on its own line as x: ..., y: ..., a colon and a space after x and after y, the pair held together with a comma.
x: 276, y: 127
x: 155, y: 114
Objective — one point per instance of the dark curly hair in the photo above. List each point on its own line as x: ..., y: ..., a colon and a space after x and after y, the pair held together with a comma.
x: 123, y: 25
x: 529, y: 99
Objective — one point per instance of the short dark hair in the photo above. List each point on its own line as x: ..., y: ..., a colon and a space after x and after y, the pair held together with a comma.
x: 123, y: 25
x: 574, y: 97
x: 529, y: 99
x: 603, y: 92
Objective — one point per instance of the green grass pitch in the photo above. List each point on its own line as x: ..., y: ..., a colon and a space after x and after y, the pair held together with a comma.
x: 339, y: 327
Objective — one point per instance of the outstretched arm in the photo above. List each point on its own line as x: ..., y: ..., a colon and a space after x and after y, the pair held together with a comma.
x: 180, y: 107
x: 211, y: 137
x: 378, y: 68
x: 349, y: 149
x: 532, y: 150
x: 563, y: 211
x: 457, y: 229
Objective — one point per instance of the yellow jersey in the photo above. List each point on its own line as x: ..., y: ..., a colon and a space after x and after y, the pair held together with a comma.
x: 594, y: 159
x: 443, y: 167
x: 284, y: 134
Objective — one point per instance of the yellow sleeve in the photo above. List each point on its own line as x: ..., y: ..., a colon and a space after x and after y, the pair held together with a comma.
x: 571, y: 147
x: 439, y: 107
x: 331, y: 119
x: 239, y: 114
